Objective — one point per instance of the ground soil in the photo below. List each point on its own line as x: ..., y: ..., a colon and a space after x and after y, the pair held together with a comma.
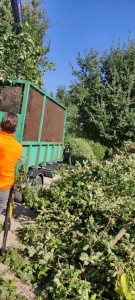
x: 21, y: 216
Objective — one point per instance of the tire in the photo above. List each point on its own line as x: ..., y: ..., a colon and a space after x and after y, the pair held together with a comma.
x: 36, y: 181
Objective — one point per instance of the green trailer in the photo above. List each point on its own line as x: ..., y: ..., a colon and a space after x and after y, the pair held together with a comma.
x: 41, y: 129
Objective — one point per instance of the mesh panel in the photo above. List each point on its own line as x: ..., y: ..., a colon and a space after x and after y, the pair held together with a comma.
x: 11, y: 98
x: 52, y: 130
x: 33, y: 116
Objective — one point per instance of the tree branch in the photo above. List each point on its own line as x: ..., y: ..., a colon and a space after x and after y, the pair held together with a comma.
x: 122, y: 232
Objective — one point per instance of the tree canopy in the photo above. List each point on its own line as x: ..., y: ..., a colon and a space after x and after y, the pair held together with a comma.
x: 104, y: 94
x: 24, y: 56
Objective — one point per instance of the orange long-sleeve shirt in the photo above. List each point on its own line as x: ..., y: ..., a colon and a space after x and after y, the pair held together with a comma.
x: 10, y: 153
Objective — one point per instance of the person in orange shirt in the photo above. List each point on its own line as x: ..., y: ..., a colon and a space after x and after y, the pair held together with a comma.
x: 10, y: 153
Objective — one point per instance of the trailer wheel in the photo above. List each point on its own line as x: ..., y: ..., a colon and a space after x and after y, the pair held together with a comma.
x: 35, y: 178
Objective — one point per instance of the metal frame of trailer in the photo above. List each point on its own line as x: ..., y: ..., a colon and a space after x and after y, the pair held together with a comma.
x: 42, y: 123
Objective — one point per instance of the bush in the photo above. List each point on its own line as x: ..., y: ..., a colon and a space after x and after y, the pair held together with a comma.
x: 70, y: 244
x: 80, y: 149
x: 98, y: 150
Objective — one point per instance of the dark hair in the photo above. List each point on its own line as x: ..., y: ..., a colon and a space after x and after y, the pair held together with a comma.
x: 9, y: 122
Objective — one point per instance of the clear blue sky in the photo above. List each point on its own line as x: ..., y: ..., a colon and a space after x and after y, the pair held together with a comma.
x: 81, y: 24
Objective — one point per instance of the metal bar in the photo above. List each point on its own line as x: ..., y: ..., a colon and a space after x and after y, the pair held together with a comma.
x: 7, y: 222
x: 19, y: 81
x: 37, y: 157
x: 17, y: 10
x: 52, y: 154
x: 42, y: 118
x: 24, y: 106
x: 64, y: 128
x: 28, y: 155
x: 27, y: 143
x: 45, y: 153
x: 17, y: 14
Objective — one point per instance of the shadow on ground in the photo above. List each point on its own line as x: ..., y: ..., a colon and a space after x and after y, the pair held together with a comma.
x: 23, y: 214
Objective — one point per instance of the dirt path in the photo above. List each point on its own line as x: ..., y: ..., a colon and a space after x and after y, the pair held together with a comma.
x: 22, y: 289
x: 21, y: 216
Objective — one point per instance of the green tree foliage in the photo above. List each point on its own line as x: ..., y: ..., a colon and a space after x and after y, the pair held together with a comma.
x: 62, y: 95
x: 24, y: 56
x: 105, y: 94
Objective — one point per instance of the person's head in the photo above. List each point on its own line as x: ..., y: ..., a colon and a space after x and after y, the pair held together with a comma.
x: 9, y: 122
